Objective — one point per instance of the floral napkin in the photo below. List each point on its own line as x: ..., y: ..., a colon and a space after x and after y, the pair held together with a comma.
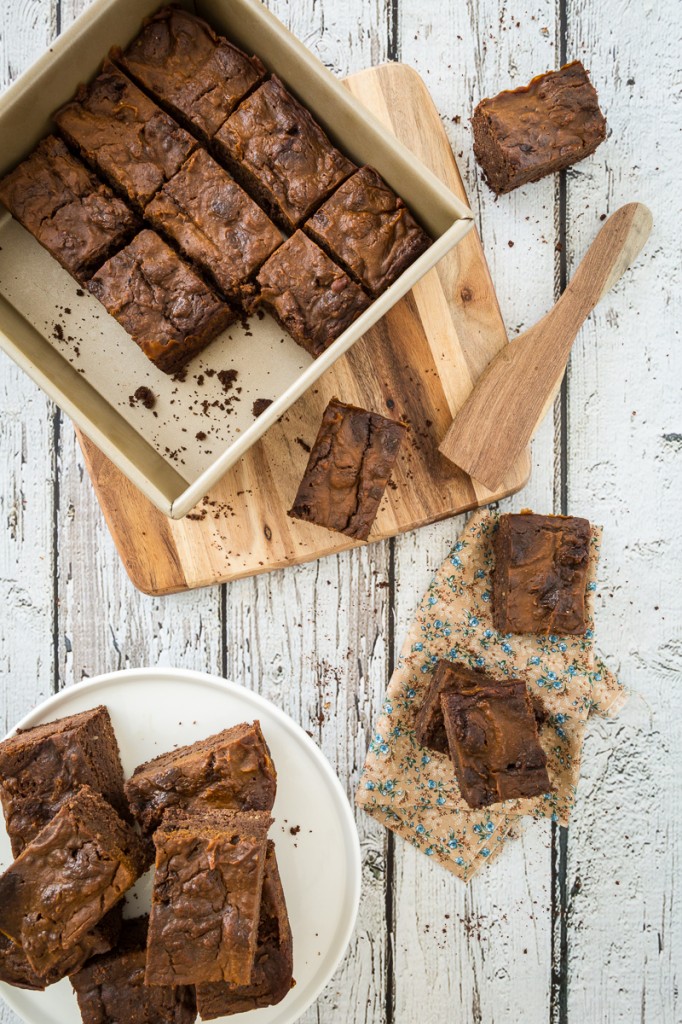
x: 412, y: 790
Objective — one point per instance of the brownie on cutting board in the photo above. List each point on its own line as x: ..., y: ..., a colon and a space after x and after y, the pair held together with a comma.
x: 187, y: 67
x: 232, y: 770
x: 111, y: 989
x: 348, y: 470
x: 308, y: 294
x: 369, y: 230
x: 73, y: 215
x: 214, y: 223
x: 165, y: 307
x: 69, y: 876
x: 115, y: 127
x: 281, y: 156
x: 207, y: 896
x: 521, y: 135
x: 540, y: 576
x: 43, y: 766
x: 272, y: 975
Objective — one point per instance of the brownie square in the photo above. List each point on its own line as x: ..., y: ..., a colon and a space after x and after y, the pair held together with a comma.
x: 272, y: 975
x: 64, y: 882
x: 348, y: 470
x: 187, y: 67
x: 16, y: 970
x: 42, y: 767
x: 66, y: 208
x: 429, y: 725
x: 369, y: 230
x: 115, y: 127
x: 274, y: 146
x: 232, y: 770
x: 540, y: 577
x: 308, y: 294
x: 523, y: 134
x: 214, y: 223
x: 111, y: 988
x: 493, y: 740
x: 207, y: 896
x: 165, y: 307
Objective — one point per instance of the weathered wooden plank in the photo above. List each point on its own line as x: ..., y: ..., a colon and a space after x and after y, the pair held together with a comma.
x: 314, y: 640
x: 490, y: 959
x: 625, y: 447
x: 26, y: 470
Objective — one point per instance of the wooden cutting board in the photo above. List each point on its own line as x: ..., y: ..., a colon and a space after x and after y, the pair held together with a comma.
x: 418, y: 364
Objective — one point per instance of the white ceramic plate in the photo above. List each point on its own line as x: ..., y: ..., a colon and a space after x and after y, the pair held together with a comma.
x: 154, y: 710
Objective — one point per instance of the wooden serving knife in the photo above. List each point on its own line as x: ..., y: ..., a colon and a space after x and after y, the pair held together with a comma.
x: 517, y: 388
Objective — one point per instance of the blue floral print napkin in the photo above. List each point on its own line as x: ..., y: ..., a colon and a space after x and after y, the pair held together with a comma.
x: 412, y: 790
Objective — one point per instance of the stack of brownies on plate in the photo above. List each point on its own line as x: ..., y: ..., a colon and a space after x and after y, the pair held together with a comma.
x: 189, y: 187
x: 489, y: 726
x: 217, y: 941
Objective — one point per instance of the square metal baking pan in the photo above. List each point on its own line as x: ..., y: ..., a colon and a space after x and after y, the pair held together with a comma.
x: 83, y: 359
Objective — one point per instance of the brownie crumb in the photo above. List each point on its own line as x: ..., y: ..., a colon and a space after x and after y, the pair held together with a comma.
x: 304, y: 446
x: 80, y: 293
x: 200, y: 436
x: 144, y: 396
x: 58, y: 332
x: 227, y: 378
x: 180, y: 376
x: 295, y: 829
x: 260, y: 405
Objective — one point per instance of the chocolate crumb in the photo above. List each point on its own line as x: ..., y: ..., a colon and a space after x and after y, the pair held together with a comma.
x: 80, y: 292
x: 295, y: 829
x: 200, y: 436
x: 260, y: 405
x: 58, y: 332
x: 227, y: 378
x: 145, y: 396
x: 304, y: 446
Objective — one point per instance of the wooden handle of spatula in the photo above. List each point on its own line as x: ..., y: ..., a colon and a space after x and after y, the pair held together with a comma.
x: 514, y: 392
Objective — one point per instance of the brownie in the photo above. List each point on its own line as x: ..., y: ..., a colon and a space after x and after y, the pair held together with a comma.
x: 523, y: 134
x: 232, y: 770
x: 111, y: 989
x: 274, y: 146
x: 308, y: 294
x: 64, y: 882
x: 429, y: 727
x: 493, y: 740
x: 73, y: 215
x: 16, y: 970
x: 540, y: 577
x: 214, y: 223
x: 43, y: 766
x: 273, y: 965
x: 348, y: 470
x: 369, y: 230
x: 198, y: 75
x: 207, y: 896
x: 165, y: 307
x: 115, y: 127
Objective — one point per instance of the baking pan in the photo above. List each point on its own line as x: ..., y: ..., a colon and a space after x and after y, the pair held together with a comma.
x: 63, y: 338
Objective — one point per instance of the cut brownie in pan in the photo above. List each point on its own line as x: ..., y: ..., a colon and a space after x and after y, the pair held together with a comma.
x: 277, y: 150
x: 111, y: 988
x: 214, y: 223
x: 493, y: 740
x: 207, y: 896
x: 43, y: 766
x: 368, y: 228
x: 540, y: 577
x: 187, y: 67
x: 348, y: 470
x: 16, y: 970
x: 232, y: 770
x: 523, y: 134
x: 165, y: 307
x: 429, y: 727
x: 66, y: 208
x: 134, y: 144
x: 64, y: 882
x: 272, y: 974
x: 308, y: 294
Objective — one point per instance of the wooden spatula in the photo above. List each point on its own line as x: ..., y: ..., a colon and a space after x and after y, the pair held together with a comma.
x: 516, y: 389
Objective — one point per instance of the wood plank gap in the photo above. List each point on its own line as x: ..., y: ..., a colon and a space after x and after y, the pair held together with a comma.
x: 56, y: 431
x: 390, y: 895
x: 559, y: 988
x: 223, y: 630
x: 393, y: 47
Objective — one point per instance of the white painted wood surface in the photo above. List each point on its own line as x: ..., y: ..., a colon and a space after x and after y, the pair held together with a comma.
x: 576, y: 927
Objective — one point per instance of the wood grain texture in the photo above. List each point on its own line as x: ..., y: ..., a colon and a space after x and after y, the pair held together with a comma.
x: 518, y: 387
x: 417, y: 364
